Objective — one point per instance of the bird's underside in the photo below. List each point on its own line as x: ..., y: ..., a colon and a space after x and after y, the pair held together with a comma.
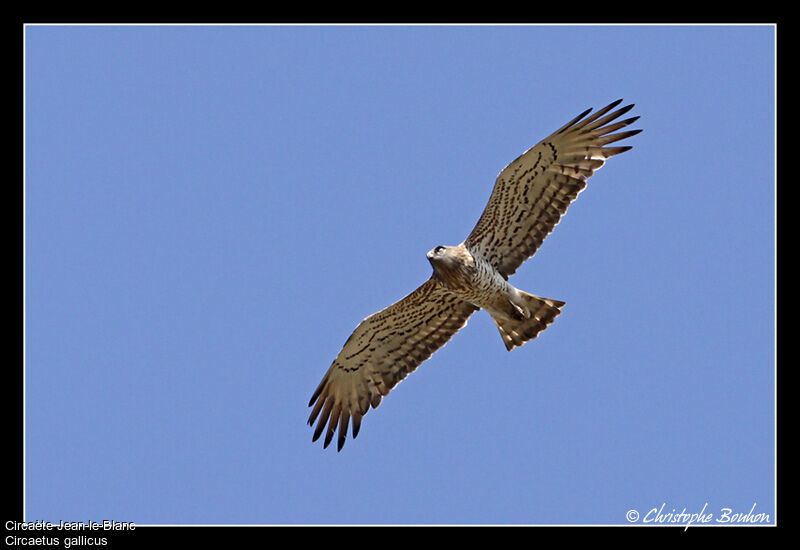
x: 529, y: 197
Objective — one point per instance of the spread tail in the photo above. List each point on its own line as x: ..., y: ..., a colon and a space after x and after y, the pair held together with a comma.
x: 542, y: 312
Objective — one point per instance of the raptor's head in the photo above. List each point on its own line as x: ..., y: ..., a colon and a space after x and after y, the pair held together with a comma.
x: 443, y: 259
x: 450, y: 263
x: 437, y: 254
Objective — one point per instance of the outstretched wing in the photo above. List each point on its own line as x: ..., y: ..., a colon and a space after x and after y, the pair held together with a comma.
x: 383, y: 349
x: 533, y: 192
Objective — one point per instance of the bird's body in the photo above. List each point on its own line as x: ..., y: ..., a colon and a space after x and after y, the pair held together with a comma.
x: 529, y: 198
x: 475, y: 280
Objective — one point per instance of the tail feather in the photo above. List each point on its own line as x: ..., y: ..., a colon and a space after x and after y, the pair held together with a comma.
x: 543, y: 311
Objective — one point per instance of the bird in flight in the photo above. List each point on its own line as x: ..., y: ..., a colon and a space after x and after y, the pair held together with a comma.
x: 529, y: 197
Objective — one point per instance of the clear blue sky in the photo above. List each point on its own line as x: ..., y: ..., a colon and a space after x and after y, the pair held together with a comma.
x: 210, y: 211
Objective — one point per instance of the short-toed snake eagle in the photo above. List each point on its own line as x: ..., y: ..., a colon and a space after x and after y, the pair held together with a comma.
x: 529, y: 198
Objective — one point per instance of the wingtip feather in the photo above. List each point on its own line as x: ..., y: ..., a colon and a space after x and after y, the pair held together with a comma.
x: 574, y: 120
x: 614, y: 104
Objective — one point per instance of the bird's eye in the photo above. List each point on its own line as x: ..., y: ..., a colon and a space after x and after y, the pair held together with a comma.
x: 438, y: 249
